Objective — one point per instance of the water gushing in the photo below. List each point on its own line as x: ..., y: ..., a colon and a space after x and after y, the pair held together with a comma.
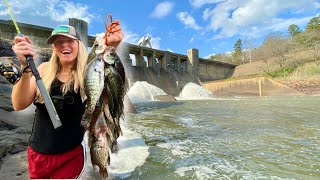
x: 142, y: 91
x: 194, y: 91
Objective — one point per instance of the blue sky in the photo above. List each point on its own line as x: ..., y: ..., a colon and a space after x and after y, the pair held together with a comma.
x: 212, y: 26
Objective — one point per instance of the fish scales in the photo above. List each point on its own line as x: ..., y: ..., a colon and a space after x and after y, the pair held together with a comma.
x: 104, y: 86
x: 93, y: 87
x: 99, y: 153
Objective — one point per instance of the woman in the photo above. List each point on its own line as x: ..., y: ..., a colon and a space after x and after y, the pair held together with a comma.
x: 56, y: 153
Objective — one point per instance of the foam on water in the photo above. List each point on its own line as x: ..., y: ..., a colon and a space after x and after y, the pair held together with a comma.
x: 190, y: 163
x: 187, y: 121
x: 192, y: 91
x: 142, y: 91
x: 132, y: 153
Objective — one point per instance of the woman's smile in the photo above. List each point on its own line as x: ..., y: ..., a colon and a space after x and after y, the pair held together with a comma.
x: 66, y: 48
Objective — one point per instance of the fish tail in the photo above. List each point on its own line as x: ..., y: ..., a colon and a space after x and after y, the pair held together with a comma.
x: 103, y: 172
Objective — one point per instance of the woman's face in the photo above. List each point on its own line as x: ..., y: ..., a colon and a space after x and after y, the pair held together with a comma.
x: 66, y: 49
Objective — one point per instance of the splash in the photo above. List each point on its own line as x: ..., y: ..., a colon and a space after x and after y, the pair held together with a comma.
x: 192, y: 91
x: 142, y: 91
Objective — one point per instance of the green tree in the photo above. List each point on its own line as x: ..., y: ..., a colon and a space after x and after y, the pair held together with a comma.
x: 214, y: 57
x: 294, y: 30
x: 237, y: 52
x: 313, y: 24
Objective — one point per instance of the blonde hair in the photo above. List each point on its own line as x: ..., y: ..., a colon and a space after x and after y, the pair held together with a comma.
x: 54, y: 67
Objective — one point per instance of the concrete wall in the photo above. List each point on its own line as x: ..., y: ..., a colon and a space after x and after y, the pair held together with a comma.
x: 212, y: 70
x: 82, y: 28
x: 167, y: 70
x: 38, y: 34
x: 250, y: 87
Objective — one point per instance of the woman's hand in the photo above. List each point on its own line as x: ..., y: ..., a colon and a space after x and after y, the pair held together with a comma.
x: 23, y: 47
x: 114, y: 34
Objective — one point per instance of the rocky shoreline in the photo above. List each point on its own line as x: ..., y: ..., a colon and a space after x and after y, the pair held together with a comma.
x: 15, y: 129
x: 307, y: 86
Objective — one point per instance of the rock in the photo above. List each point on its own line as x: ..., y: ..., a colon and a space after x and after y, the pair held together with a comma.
x: 5, y: 96
x: 15, y: 131
x: 21, y: 146
x: 3, y: 151
x: 5, y: 126
x: 23, y: 118
x: 12, y: 142
x: 15, y: 167
x: 3, y: 80
x: 308, y: 86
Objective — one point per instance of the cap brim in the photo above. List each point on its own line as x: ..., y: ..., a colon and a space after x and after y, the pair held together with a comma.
x: 53, y: 37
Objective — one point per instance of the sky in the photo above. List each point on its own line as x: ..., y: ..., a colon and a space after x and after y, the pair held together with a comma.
x: 211, y: 26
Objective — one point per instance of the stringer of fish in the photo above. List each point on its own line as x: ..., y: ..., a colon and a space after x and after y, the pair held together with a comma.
x: 104, y: 86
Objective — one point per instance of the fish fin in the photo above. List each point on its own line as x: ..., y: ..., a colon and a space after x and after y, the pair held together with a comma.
x: 103, y: 172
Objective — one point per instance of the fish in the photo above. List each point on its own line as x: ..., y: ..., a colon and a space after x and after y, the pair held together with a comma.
x: 104, y: 88
x: 115, y: 91
x: 93, y: 86
x: 99, y: 151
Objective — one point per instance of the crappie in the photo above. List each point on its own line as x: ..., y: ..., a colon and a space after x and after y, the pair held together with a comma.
x: 93, y: 86
x: 115, y: 89
x: 104, y: 86
x: 99, y: 151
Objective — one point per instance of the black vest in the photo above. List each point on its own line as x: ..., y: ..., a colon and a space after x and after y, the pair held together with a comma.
x: 44, y: 138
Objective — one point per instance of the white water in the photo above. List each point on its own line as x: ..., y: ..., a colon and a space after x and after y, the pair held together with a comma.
x: 132, y: 153
x: 142, y: 91
x: 261, y: 138
x: 192, y: 91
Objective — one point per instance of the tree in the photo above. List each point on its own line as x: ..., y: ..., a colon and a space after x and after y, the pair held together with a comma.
x: 237, y: 52
x: 313, y: 24
x: 214, y: 57
x: 312, y: 40
x: 221, y: 57
x: 294, y: 30
x: 248, y: 47
x: 277, y: 43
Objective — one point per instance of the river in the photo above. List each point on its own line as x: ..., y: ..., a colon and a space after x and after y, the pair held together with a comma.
x: 228, y: 138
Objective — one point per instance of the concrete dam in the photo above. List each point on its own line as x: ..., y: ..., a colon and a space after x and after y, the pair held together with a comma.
x: 166, y: 70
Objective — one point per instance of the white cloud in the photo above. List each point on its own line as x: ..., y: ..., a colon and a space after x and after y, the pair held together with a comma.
x: 130, y: 37
x: 46, y: 12
x: 207, y: 57
x: 279, y: 24
x: 229, y: 18
x: 62, y: 10
x: 188, y: 20
x: 199, y: 3
x: 99, y: 34
x: 162, y: 9
x: 4, y: 13
x: 191, y: 40
x: 155, y: 42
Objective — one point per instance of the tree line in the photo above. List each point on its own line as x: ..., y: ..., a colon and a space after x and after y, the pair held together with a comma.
x: 276, y: 45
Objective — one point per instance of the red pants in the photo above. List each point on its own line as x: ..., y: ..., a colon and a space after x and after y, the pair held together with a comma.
x: 68, y: 165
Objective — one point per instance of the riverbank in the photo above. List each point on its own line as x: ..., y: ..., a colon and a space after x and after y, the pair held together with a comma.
x: 15, y: 130
x: 307, y: 86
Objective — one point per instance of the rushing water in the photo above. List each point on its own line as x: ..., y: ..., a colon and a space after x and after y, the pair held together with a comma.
x: 231, y: 138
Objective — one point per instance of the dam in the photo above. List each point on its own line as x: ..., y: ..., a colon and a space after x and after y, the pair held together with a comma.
x: 164, y: 69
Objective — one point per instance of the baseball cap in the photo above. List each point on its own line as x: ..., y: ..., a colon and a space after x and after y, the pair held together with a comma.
x: 63, y: 30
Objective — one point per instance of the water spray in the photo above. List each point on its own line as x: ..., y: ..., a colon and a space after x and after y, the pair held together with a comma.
x: 47, y: 100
